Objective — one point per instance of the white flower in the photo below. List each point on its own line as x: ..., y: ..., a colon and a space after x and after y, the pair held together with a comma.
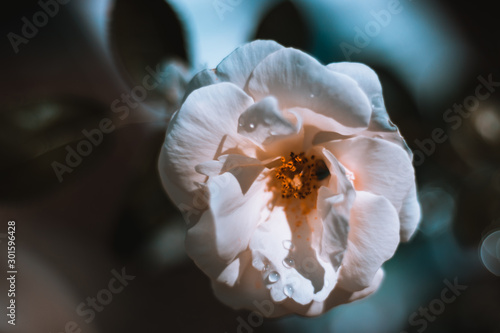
x: 295, y: 184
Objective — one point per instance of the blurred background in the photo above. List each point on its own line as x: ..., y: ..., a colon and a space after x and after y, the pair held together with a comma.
x: 86, y: 213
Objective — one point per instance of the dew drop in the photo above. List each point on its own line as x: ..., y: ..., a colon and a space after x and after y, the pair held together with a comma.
x: 273, y: 277
x: 315, y: 91
x: 266, y: 267
x: 288, y: 290
x: 377, y: 101
x: 288, y: 245
x: 288, y: 262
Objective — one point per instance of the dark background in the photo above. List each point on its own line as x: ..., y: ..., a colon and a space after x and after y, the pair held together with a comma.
x: 111, y: 213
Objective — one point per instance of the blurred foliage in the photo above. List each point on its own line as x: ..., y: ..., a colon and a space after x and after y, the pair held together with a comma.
x: 34, y: 134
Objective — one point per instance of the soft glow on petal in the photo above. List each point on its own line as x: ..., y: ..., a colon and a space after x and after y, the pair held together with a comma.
x: 373, y: 239
x: 297, y: 80
x: 296, y: 185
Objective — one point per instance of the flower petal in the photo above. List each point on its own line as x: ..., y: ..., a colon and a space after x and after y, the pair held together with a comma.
x: 237, y: 67
x: 299, y: 272
x: 379, y: 166
x: 203, y: 129
x: 334, y: 206
x: 380, y: 123
x: 366, y: 77
x: 235, y: 202
x: 249, y: 292
x: 409, y: 215
x: 225, y: 163
x: 298, y: 80
x: 204, y: 78
x: 373, y: 239
x: 264, y: 122
x: 340, y: 296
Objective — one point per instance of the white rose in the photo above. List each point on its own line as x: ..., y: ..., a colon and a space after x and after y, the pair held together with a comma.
x: 295, y: 184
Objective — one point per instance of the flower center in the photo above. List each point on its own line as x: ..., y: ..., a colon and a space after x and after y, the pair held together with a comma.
x: 299, y: 175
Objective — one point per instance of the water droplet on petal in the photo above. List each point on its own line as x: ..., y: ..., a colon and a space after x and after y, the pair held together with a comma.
x: 273, y: 277
x: 288, y: 245
x: 377, y: 101
x: 288, y: 290
x: 288, y: 262
x: 315, y: 91
x: 266, y: 267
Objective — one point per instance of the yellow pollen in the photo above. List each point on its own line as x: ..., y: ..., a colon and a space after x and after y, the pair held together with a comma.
x: 299, y: 175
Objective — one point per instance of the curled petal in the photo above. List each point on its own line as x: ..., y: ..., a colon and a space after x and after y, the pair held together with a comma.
x: 204, y: 78
x: 203, y: 129
x: 248, y: 292
x: 380, y: 123
x: 298, y: 80
x: 373, y: 239
x: 264, y: 122
x: 409, y: 215
x: 234, y: 202
x: 379, y: 167
x: 340, y: 296
x: 237, y: 67
x: 268, y: 249
x: 334, y: 206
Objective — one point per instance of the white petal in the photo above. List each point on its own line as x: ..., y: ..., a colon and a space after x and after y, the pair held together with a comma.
x: 380, y: 123
x: 225, y: 163
x: 231, y: 273
x: 366, y: 78
x: 379, y: 166
x: 203, y: 129
x: 341, y: 296
x: 282, y: 245
x: 334, y: 205
x: 249, y: 291
x: 298, y: 80
x: 264, y: 122
x: 410, y: 214
x: 237, y: 67
x: 373, y: 239
x: 204, y: 78
x: 235, y: 201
